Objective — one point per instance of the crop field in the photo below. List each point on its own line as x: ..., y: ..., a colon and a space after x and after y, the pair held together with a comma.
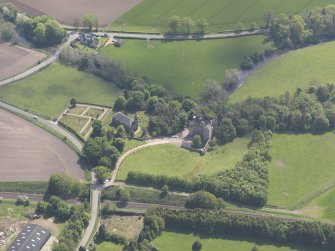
x: 106, y: 10
x: 28, y: 153
x: 184, y: 240
x: 175, y: 161
x: 184, y: 66
x: 301, y: 164
x: 49, y: 92
x: 287, y: 72
x: 153, y: 15
x: 15, y: 59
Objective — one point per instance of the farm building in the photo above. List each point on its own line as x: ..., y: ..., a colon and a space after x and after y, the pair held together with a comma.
x: 32, y: 237
x: 121, y: 119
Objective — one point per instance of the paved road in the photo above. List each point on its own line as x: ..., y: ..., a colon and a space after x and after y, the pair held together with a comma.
x: 45, y: 122
x: 183, y: 37
x: 95, y: 202
x: 40, y: 66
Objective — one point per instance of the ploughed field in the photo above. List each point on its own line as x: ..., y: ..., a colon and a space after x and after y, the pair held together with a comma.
x: 67, y: 11
x: 14, y: 59
x: 28, y: 153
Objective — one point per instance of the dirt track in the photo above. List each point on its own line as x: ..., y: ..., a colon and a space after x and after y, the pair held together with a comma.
x: 66, y: 11
x: 14, y: 59
x: 28, y: 153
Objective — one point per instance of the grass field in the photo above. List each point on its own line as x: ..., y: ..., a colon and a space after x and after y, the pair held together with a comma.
x: 153, y: 15
x: 184, y: 66
x: 8, y: 208
x: 183, y: 241
x: 108, y: 246
x: 175, y: 161
x: 37, y: 187
x: 292, y: 70
x: 301, y: 164
x: 127, y: 226
x: 49, y: 92
x: 323, y: 207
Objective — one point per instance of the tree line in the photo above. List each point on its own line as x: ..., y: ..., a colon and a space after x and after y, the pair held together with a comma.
x: 292, y: 31
x: 220, y: 222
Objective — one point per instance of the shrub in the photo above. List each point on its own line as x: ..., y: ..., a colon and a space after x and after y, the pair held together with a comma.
x: 196, y: 246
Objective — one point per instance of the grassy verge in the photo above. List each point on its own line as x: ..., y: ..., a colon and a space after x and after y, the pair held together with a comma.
x: 146, y: 195
x: 290, y: 71
x: 8, y: 208
x: 35, y: 187
x: 174, y: 161
x: 184, y: 66
x: 108, y: 246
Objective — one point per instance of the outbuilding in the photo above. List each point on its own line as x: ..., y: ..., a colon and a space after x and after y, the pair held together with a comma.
x: 32, y: 238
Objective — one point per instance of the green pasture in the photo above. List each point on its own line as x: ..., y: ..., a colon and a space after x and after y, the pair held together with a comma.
x: 184, y: 66
x: 289, y: 71
x: 181, y: 241
x: 154, y: 15
x: 108, y: 246
x: 49, y: 91
x: 301, y: 164
x: 322, y: 207
x: 172, y: 160
x: 74, y: 122
x: 9, y: 209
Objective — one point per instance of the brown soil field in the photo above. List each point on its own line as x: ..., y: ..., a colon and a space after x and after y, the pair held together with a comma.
x: 14, y: 59
x: 28, y: 153
x: 67, y: 11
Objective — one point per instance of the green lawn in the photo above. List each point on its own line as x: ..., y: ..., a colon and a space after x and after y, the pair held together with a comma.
x: 108, y: 246
x: 292, y: 70
x: 173, y: 241
x: 175, y: 161
x: 48, y: 92
x: 153, y: 15
x: 184, y: 66
x: 301, y: 164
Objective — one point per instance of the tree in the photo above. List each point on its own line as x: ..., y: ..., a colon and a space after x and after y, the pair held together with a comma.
x: 175, y: 24
x: 63, y: 186
x: 121, y: 132
x: 269, y: 17
x: 40, y: 33
x: 119, y: 143
x: 214, y: 92
x: 102, y: 173
x: 231, y: 80
x: 197, y: 142
x: 187, y: 24
x: 247, y: 63
x: 255, y: 248
x: 202, y: 199
x: 123, y: 194
x: 97, y: 129
x: 196, y: 246
x: 120, y: 104
x: 202, y: 24
x: 90, y: 21
x: 165, y: 190
x: 226, y: 132
x: 73, y: 102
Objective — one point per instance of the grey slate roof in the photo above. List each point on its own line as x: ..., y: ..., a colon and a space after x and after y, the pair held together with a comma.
x: 122, y: 119
x: 31, y: 238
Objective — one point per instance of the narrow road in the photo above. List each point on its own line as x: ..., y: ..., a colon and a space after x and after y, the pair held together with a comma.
x: 40, y: 66
x: 95, y: 202
x: 183, y: 37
